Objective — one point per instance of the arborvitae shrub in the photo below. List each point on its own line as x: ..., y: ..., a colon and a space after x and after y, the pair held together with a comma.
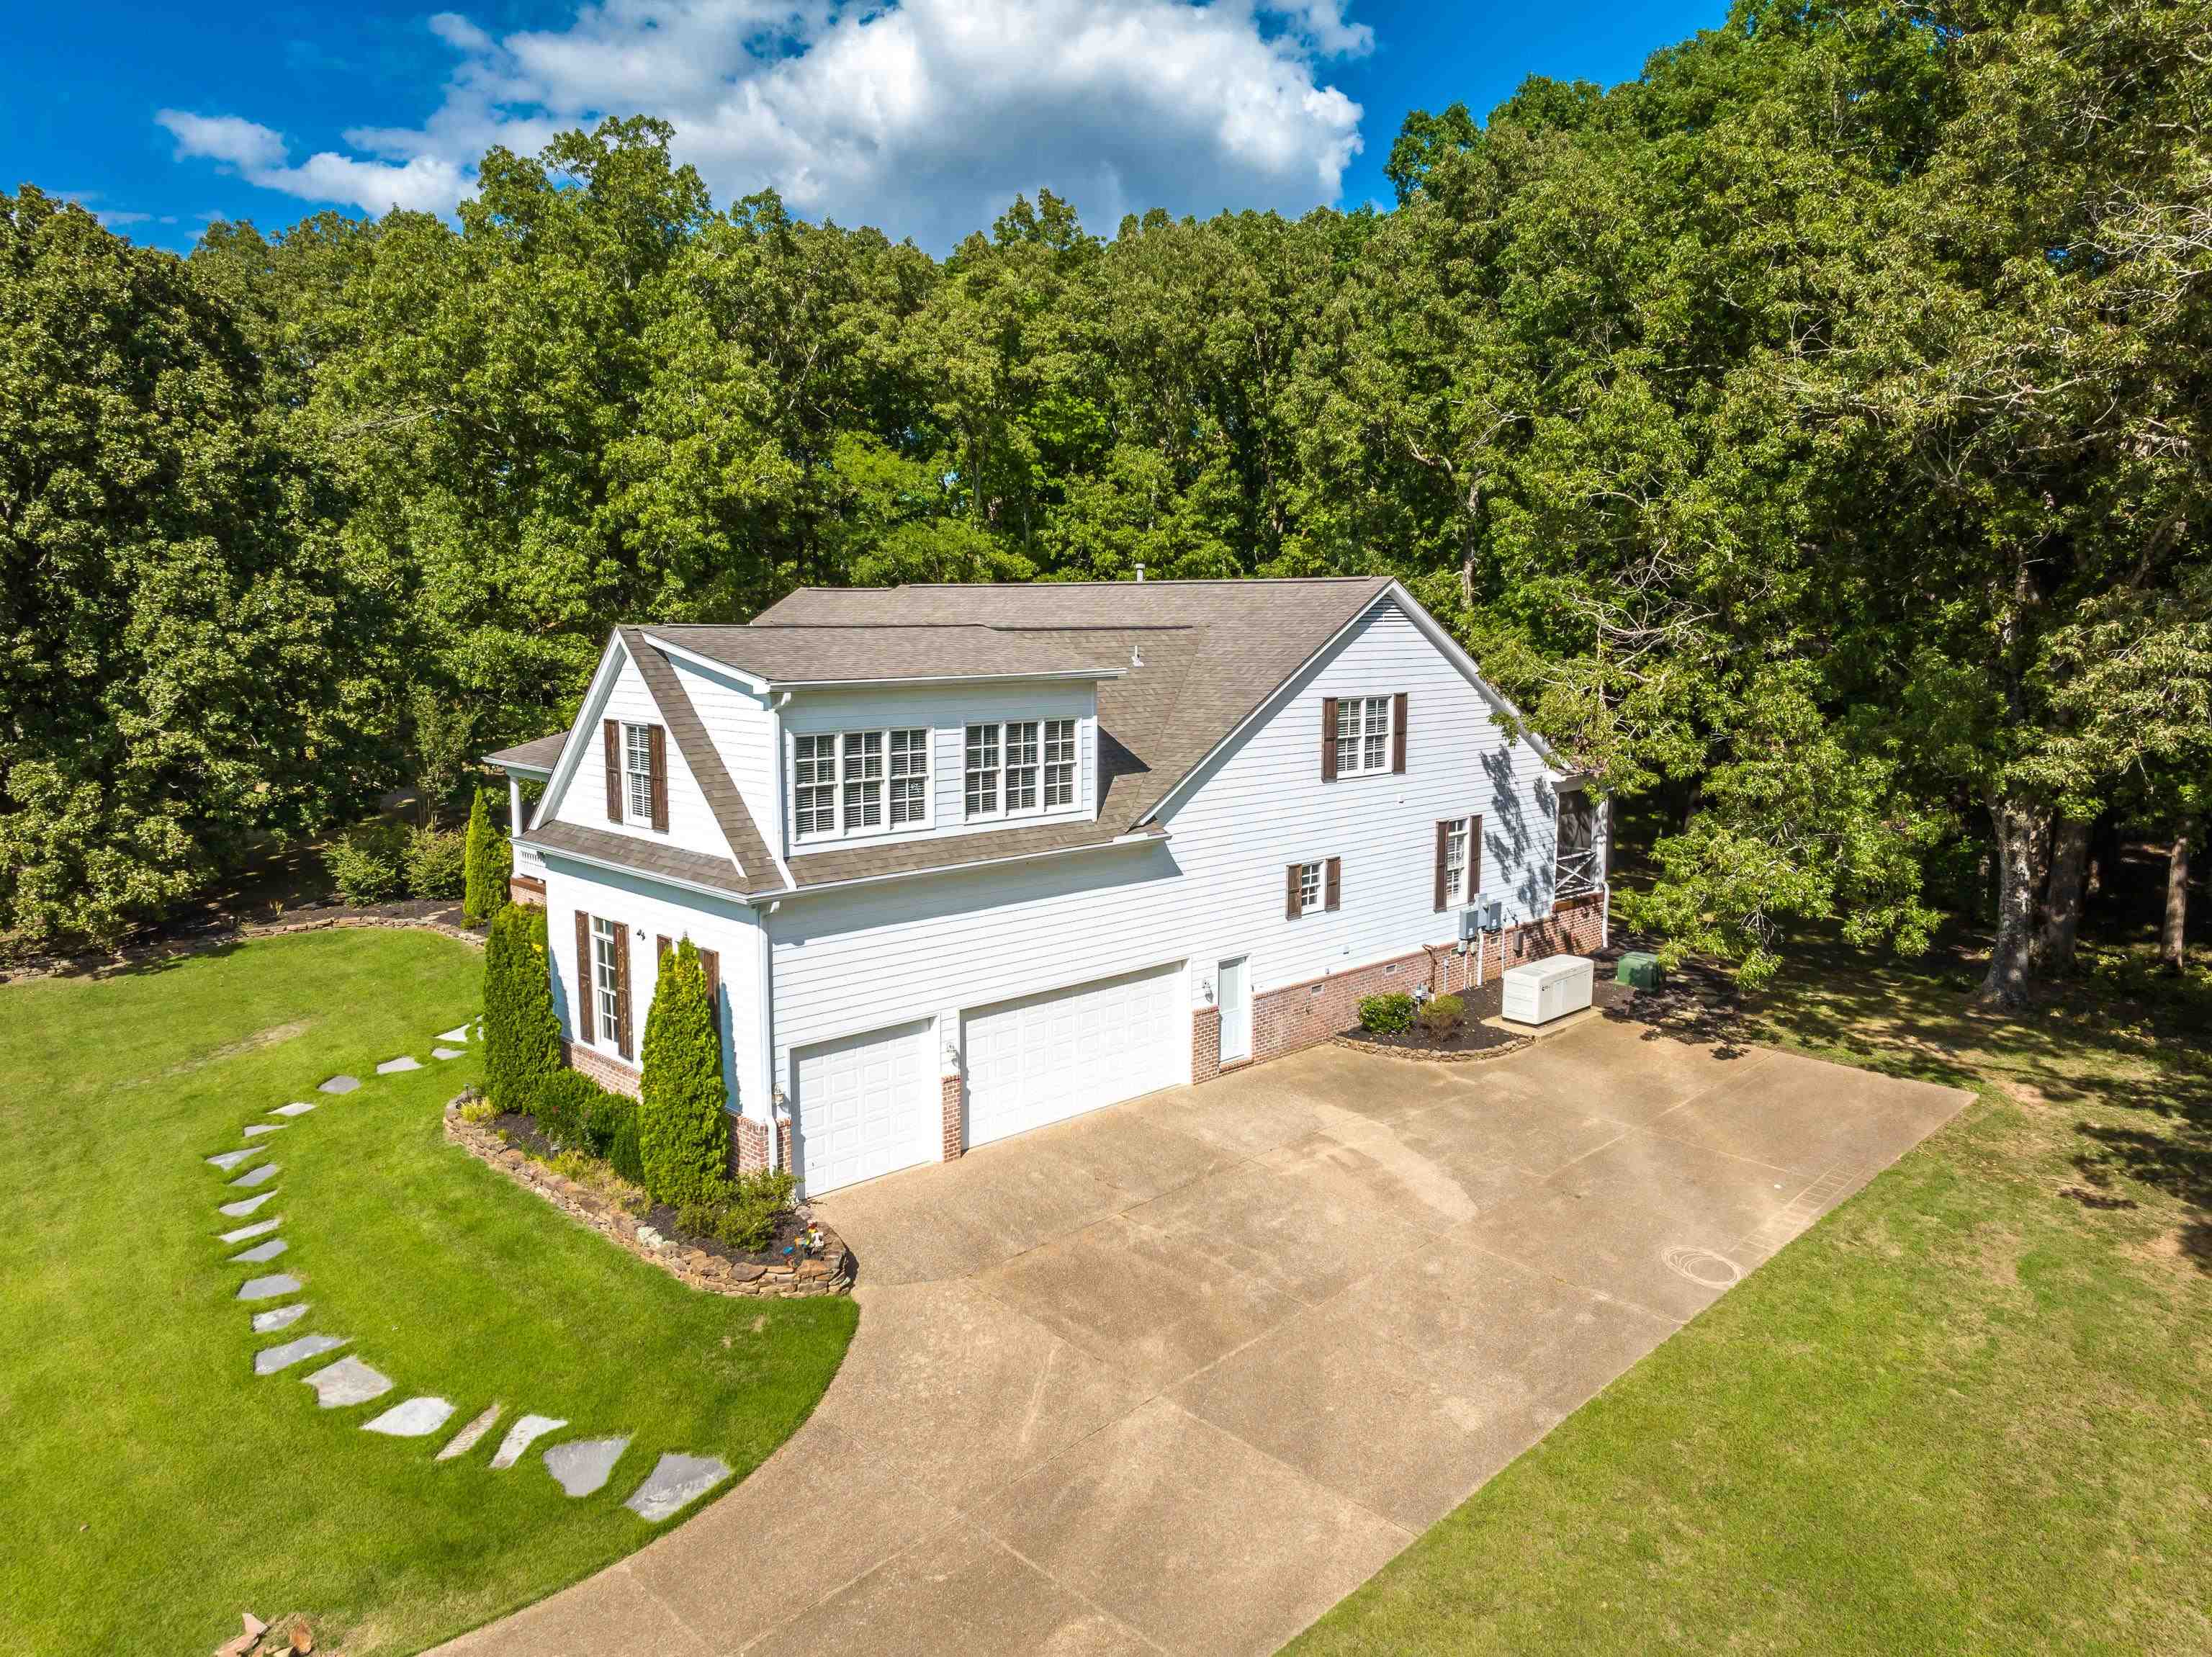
x: 522, y: 1033
x: 682, y: 1129
x: 488, y: 861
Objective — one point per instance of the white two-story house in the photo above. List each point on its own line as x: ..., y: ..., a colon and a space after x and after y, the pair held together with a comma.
x: 969, y: 860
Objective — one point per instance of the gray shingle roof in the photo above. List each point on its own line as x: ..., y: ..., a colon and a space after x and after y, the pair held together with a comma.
x: 843, y: 653
x: 651, y: 856
x: 540, y: 753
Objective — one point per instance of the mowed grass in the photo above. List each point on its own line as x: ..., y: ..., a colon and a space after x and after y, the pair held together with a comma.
x: 1967, y: 1413
x: 151, y: 1486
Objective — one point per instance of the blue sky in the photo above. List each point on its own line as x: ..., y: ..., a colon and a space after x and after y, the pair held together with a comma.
x: 922, y: 118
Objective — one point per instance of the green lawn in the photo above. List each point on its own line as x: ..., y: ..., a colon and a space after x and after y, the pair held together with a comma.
x: 1968, y: 1413
x: 150, y: 1485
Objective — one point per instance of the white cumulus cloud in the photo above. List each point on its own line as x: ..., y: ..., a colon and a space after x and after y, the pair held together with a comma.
x: 925, y: 118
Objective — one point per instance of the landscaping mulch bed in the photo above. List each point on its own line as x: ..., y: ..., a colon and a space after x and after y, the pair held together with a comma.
x: 1470, y: 1041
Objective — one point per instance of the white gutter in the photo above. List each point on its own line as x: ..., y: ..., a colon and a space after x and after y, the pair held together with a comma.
x: 940, y: 678
x: 956, y: 869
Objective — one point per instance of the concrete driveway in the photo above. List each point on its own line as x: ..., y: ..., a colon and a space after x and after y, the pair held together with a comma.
x: 1178, y: 1375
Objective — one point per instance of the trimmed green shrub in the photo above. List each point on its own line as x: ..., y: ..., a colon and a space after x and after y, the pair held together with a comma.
x: 436, y: 862
x: 369, y: 864
x: 521, y: 1032
x: 487, y: 862
x: 624, y: 1156
x: 745, y: 1215
x: 682, y: 1126
x: 568, y: 1101
x: 1386, y: 1016
x: 1444, y: 1015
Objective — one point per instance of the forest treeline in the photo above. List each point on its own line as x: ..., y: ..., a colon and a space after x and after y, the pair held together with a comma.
x: 1810, y: 433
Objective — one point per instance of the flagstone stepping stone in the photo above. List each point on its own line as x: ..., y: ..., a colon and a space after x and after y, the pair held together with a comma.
x: 294, y: 1109
x: 520, y: 1436
x: 458, y: 1032
x: 255, y: 1130
x: 245, y: 1205
x: 228, y: 1159
x: 394, y: 1066
x: 269, y: 1287
x: 260, y: 1253
x: 269, y: 1360
x: 281, y: 1317
x: 447, y: 1053
x: 416, y: 1418
x: 260, y: 1176
x: 339, y: 1085
x: 583, y: 1465
x: 466, y: 1439
x: 244, y: 1232
x: 347, y: 1382
x: 675, y: 1481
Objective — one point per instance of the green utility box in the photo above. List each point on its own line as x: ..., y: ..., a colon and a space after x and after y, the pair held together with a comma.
x: 1639, y: 967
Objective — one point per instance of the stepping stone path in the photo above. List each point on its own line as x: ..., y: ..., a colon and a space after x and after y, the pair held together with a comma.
x: 584, y: 1465
x: 260, y: 1253
x: 268, y: 1288
x: 520, y: 1437
x: 458, y: 1032
x: 339, y: 1085
x: 347, y: 1382
x: 294, y: 1109
x: 260, y: 1176
x: 269, y: 1360
x: 243, y: 1206
x: 447, y: 1053
x: 255, y: 1130
x: 244, y: 1232
x: 675, y: 1481
x: 466, y: 1439
x: 416, y: 1418
x: 282, y: 1317
x: 229, y: 1159
x: 394, y: 1066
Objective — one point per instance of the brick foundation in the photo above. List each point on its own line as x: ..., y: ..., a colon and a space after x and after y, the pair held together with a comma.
x: 783, y: 1144
x: 525, y: 889
x: 610, y: 1073
x: 1205, y: 1043
x: 1305, y: 1014
x: 748, y: 1145
x: 955, y: 1126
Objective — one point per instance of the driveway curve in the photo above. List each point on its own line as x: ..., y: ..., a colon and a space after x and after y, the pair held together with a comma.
x: 1178, y: 1375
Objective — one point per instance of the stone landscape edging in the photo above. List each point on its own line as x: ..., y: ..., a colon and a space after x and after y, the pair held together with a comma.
x: 1434, y: 1055
x: 830, y: 1273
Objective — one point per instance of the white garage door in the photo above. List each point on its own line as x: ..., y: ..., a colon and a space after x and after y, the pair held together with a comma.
x: 867, y: 1105
x: 1043, y: 1057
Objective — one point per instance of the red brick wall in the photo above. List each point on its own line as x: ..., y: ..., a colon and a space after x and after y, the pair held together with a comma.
x: 610, y: 1073
x: 748, y: 1145
x: 525, y: 889
x: 1205, y: 1043
x: 956, y: 1127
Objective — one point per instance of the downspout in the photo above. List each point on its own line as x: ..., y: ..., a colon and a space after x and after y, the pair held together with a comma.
x: 764, y: 1076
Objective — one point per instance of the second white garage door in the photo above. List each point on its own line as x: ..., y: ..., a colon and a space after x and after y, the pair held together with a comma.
x: 867, y: 1105
x: 1043, y: 1057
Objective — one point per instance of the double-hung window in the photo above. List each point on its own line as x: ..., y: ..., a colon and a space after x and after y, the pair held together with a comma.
x: 1362, y: 735
x: 1309, y: 887
x: 607, y: 977
x: 1019, y: 767
x: 838, y: 782
x: 1456, y: 863
x: 637, y: 773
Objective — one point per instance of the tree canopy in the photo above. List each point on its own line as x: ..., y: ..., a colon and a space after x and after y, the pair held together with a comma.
x: 1810, y: 433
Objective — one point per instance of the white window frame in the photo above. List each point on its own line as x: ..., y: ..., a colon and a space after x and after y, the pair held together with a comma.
x: 853, y: 764
x: 1317, y: 871
x: 1364, y: 729
x: 1021, y: 775
x: 607, y: 939
x: 1458, y: 894
x: 637, y: 774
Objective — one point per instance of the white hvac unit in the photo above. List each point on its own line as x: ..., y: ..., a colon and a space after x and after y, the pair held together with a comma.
x: 1551, y: 987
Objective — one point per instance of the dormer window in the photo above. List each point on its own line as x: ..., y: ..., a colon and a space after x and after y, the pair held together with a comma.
x: 1018, y: 768
x: 637, y: 772
x: 848, y: 783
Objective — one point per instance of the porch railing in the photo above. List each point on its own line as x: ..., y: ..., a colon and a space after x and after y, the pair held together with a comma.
x: 1575, y: 873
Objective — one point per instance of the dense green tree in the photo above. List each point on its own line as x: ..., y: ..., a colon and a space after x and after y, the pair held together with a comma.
x: 522, y: 1031
x: 489, y: 861
x: 682, y: 1120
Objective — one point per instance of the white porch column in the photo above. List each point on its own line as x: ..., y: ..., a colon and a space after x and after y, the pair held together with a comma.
x: 514, y: 805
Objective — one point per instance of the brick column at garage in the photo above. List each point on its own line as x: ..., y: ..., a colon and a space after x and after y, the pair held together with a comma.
x: 956, y: 1138
x: 1205, y: 1043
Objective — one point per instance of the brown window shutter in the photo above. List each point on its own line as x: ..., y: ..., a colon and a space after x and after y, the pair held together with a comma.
x: 1473, y: 856
x: 660, y: 741
x: 1443, y: 838
x: 1398, y: 732
x: 711, y: 964
x: 1332, y: 883
x: 1328, y: 738
x: 622, y: 991
x: 610, y: 739
x: 1291, y: 908
x: 660, y: 948
x: 585, y: 1029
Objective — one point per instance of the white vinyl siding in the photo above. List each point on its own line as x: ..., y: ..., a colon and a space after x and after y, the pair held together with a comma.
x: 850, y: 961
x: 583, y: 799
